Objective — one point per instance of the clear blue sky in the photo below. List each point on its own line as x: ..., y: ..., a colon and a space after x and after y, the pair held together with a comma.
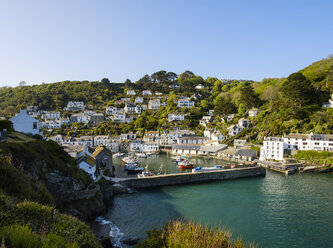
x: 49, y: 41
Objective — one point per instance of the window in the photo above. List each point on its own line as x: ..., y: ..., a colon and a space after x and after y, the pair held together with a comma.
x: 34, y: 125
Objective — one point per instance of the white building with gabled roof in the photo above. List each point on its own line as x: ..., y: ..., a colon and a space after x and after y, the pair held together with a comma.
x: 24, y: 123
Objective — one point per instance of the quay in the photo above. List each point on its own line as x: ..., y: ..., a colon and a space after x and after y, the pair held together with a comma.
x: 187, y: 178
x: 288, y: 167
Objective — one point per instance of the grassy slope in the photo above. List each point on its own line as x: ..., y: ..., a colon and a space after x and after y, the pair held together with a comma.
x: 24, y: 221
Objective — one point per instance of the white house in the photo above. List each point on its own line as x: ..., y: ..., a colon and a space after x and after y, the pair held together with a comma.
x: 234, y: 130
x: 185, y: 103
x: 154, y: 104
x: 131, y: 93
x: 101, y: 140
x: 205, y: 120
x: 273, y: 148
x: 146, y: 93
x: 158, y: 93
x: 128, y: 136
x: 191, y: 140
x: 52, y: 115
x: 215, y: 135
x: 138, y: 99
x: 174, y: 86
x: 51, y: 124
x: 110, y: 110
x: 186, y: 149
x: 254, y: 112
x: 125, y: 100
x: 129, y: 108
x: 24, y: 123
x: 199, y: 87
x: 244, y: 123
x: 87, y: 162
x: 80, y: 117
x: 150, y: 147
x: 136, y: 145
x: 72, y: 106
x: 176, y: 117
x: 138, y: 109
x: 211, y: 112
x: 319, y: 142
x: 113, y: 144
x: 119, y: 117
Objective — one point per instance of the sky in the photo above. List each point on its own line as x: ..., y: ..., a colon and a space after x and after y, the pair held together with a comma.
x: 52, y: 41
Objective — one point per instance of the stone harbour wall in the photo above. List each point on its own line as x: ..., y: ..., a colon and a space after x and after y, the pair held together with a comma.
x: 197, y: 177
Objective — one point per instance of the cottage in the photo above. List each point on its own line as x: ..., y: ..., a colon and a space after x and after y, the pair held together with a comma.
x: 136, y: 145
x: 176, y: 117
x: 51, y: 115
x: 185, y: 103
x: 51, y: 124
x: 150, y: 147
x: 254, y: 112
x: 191, y: 140
x: 154, y: 104
x: 205, y: 120
x: 199, y: 87
x: 174, y: 86
x: 244, y: 123
x: 119, y: 117
x: 24, y: 123
x: 128, y: 136
x: 103, y: 157
x: 125, y: 100
x: 113, y: 144
x: 86, y: 161
x: 131, y: 93
x: 80, y: 117
x: 138, y: 109
x: 75, y: 106
x: 96, y: 118
x: 146, y: 93
x: 138, y: 99
x: 234, y: 130
x: 214, y: 135
x: 129, y: 108
x: 186, y: 149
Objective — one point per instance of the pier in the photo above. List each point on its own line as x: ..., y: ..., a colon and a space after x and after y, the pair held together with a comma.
x: 187, y: 178
x: 285, y: 168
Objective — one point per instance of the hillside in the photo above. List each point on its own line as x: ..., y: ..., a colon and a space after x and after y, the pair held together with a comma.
x: 292, y: 104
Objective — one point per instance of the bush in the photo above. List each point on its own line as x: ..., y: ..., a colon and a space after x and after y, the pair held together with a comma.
x: 308, y: 155
x: 187, y: 235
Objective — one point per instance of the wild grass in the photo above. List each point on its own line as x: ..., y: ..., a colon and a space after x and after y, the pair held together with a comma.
x: 187, y: 234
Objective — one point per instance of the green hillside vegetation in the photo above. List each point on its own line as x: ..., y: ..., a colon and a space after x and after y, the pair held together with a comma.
x: 291, y: 104
x: 189, y: 234
x: 27, y: 197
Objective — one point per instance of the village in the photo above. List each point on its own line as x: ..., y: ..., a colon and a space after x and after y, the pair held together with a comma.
x: 178, y: 141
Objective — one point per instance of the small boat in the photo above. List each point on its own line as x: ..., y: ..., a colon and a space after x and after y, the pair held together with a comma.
x: 118, y: 154
x: 145, y: 174
x: 179, y: 159
x: 185, y: 165
x: 133, y: 168
x: 208, y: 169
x: 141, y: 155
x: 130, y: 160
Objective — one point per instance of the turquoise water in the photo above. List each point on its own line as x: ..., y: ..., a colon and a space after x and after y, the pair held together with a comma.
x: 272, y: 211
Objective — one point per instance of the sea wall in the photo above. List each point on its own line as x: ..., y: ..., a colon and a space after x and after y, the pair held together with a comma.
x: 197, y: 177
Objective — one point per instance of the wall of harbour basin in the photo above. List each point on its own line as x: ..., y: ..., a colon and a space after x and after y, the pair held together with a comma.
x: 197, y: 177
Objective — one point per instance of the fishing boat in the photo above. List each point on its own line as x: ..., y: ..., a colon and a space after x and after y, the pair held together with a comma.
x: 133, y: 168
x: 145, y: 174
x: 179, y: 159
x: 208, y: 169
x: 118, y: 154
x: 185, y: 165
x: 129, y: 160
x: 141, y: 155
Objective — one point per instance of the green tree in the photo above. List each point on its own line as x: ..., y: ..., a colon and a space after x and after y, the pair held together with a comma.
x: 248, y: 97
x: 224, y: 107
x: 298, y: 90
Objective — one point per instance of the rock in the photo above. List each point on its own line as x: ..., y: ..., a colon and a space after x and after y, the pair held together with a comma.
x: 118, y: 188
x: 106, y: 243
x: 130, y: 241
x: 106, y: 189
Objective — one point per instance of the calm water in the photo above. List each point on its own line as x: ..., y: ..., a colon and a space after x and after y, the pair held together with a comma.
x: 272, y: 211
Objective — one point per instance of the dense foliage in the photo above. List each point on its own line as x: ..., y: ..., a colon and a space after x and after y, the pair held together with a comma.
x: 187, y: 235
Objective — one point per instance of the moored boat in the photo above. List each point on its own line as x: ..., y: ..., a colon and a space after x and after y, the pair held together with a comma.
x: 207, y: 169
x: 141, y: 155
x: 133, y: 168
x: 185, y: 165
x: 118, y: 154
